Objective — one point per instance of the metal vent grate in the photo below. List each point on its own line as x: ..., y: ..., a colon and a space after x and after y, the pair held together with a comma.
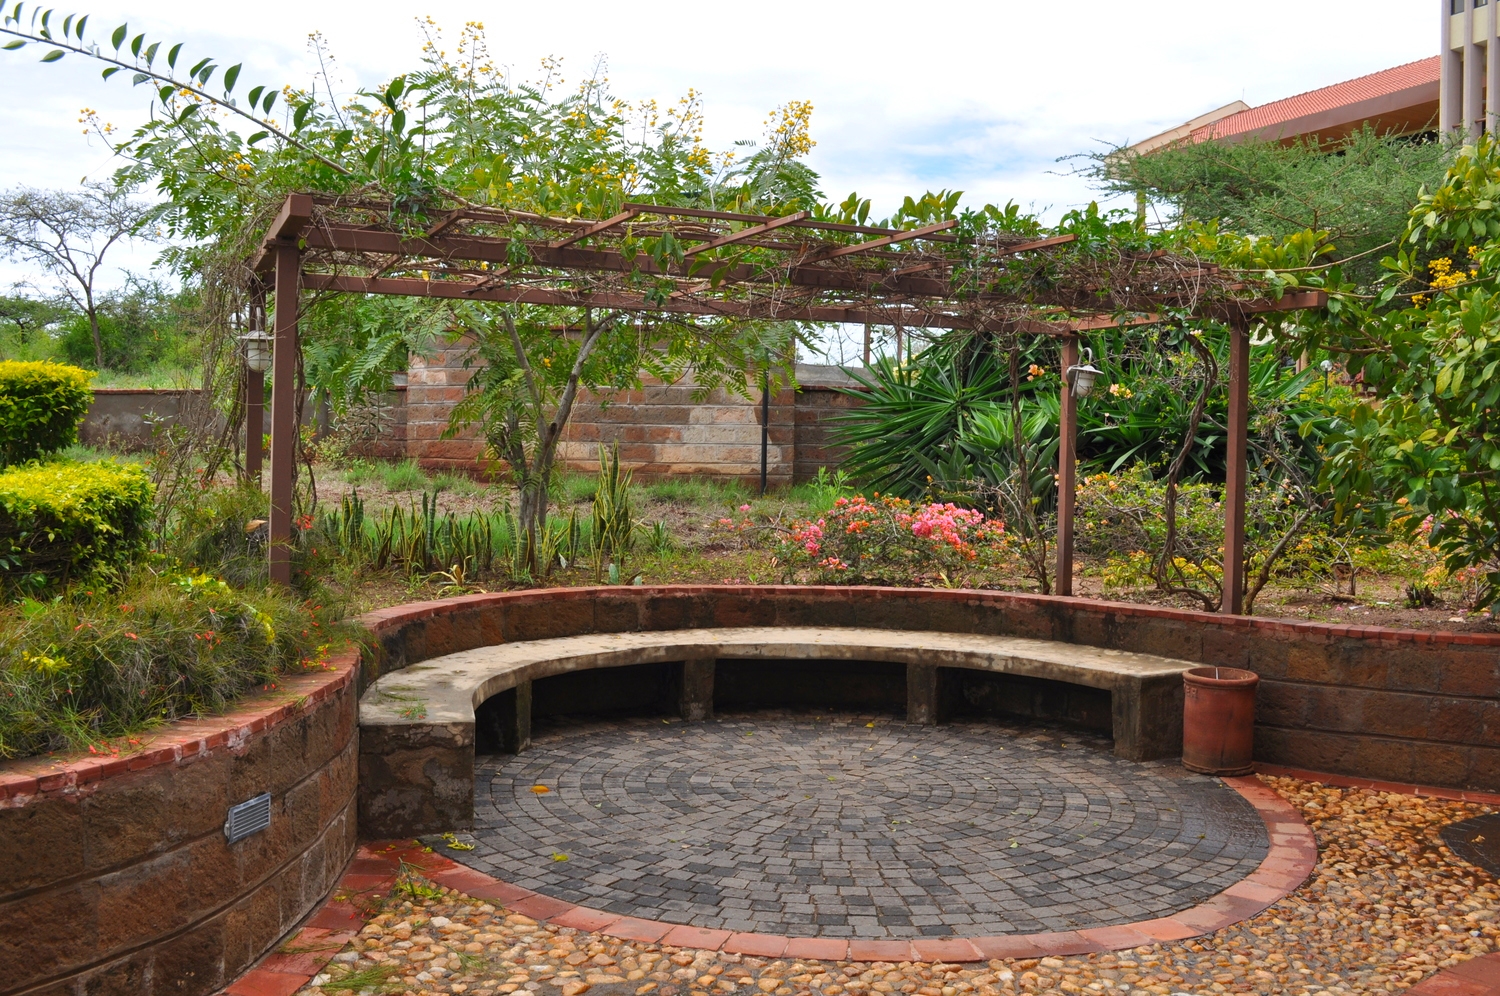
x: 248, y: 817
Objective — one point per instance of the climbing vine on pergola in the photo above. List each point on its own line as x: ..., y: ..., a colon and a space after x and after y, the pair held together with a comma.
x: 688, y: 262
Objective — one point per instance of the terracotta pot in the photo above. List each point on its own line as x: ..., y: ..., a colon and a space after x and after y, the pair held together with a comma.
x: 1218, y: 720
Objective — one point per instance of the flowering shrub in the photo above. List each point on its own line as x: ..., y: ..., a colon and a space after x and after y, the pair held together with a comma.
x: 891, y: 540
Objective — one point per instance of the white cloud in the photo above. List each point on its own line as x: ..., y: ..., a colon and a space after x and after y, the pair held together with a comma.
x: 978, y: 96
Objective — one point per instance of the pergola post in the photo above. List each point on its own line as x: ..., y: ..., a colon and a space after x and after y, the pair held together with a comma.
x: 1067, y: 462
x: 255, y: 393
x: 1235, y: 470
x: 284, y: 440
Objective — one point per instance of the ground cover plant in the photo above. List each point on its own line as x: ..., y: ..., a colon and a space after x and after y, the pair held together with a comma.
x: 101, y: 665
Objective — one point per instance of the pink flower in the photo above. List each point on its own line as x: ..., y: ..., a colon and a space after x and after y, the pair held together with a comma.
x: 744, y: 508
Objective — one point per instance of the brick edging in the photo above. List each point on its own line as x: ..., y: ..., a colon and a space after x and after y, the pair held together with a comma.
x: 26, y: 780
x: 1290, y: 861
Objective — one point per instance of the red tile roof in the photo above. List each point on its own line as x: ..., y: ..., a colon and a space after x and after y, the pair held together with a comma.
x: 1418, y: 77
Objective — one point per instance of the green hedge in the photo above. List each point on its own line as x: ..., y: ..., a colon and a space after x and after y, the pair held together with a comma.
x: 41, y: 407
x: 59, y: 521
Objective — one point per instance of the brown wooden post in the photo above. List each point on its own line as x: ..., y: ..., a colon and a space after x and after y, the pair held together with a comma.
x: 1234, y: 474
x: 255, y: 394
x: 284, y: 440
x: 1067, y: 459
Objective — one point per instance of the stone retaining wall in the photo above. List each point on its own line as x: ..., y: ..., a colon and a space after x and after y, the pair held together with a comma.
x: 115, y: 873
x: 1395, y: 705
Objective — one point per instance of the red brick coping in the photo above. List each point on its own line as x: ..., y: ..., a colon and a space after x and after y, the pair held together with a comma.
x: 181, y: 742
x: 1290, y: 861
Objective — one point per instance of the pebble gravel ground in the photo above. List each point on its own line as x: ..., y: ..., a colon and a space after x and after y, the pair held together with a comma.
x: 1388, y: 905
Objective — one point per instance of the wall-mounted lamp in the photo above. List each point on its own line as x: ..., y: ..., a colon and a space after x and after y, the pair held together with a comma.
x: 1082, y: 376
x: 257, y: 350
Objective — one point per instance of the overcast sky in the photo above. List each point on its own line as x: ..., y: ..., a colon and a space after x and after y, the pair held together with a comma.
x: 982, y: 97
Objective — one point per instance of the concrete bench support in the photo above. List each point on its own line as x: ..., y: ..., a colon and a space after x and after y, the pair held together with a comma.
x: 922, y: 694
x: 418, y: 724
x: 697, y: 703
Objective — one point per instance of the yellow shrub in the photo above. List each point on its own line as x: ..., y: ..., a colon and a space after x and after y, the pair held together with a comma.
x: 58, y: 520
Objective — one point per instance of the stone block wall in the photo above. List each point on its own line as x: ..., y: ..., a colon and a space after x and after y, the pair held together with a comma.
x: 1392, y: 705
x: 115, y: 873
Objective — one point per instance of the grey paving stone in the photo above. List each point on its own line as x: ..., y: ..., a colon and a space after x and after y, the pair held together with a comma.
x: 831, y: 828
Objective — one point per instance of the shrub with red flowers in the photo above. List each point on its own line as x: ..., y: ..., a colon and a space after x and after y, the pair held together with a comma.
x: 891, y: 541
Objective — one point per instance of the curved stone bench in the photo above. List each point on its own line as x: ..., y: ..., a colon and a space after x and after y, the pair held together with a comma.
x: 417, y: 725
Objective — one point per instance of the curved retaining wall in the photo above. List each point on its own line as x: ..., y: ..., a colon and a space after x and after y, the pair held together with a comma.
x: 1395, y: 705
x: 115, y: 873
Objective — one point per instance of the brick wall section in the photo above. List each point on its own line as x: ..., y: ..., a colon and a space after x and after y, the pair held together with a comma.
x: 434, y: 384
x: 1393, y: 705
x: 115, y: 875
x: 662, y: 430
x: 820, y: 400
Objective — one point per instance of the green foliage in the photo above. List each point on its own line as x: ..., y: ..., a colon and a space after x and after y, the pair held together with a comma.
x: 60, y: 521
x: 1357, y: 190
x: 403, y: 476
x: 28, y: 326
x: 692, y: 490
x: 943, y: 418
x: 417, y: 540
x: 97, y: 665
x: 140, y: 329
x: 1423, y: 460
x: 41, y: 407
x: 1121, y: 514
x: 820, y: 493
x: 215, y: 532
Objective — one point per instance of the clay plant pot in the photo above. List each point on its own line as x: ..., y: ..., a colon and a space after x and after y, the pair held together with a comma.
x: 1218, y: 720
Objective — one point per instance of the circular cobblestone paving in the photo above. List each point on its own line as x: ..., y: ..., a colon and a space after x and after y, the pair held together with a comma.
x: 853, y: 827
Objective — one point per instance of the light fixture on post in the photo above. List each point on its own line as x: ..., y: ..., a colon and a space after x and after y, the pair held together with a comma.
x: 1083, y: 375
x: 258, y: 350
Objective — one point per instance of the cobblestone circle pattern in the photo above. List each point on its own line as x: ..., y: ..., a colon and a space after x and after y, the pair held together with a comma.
x: 830, y: 827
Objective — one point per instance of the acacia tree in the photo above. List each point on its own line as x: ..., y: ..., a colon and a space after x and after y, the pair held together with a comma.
x: 1357, y: 189
x: 68, y: 234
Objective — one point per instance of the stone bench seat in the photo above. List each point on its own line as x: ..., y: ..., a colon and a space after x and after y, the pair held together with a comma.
x: 417, y: 725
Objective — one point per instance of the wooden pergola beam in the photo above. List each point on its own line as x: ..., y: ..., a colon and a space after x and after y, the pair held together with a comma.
x: 813, y: 223
x: 1055, y: 240
x: 603, y: 226
x: 747, y: 233
x: 765, y: 308
x: 915, y: 233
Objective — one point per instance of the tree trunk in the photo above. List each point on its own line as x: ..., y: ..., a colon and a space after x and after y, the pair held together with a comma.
x: 94, y: 328
x: 535, y: 479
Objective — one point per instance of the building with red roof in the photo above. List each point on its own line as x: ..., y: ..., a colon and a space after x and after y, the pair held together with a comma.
x: 1403, y: 100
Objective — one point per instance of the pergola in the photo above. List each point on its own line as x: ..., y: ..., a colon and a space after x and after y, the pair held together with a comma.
x: 664, y: 260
